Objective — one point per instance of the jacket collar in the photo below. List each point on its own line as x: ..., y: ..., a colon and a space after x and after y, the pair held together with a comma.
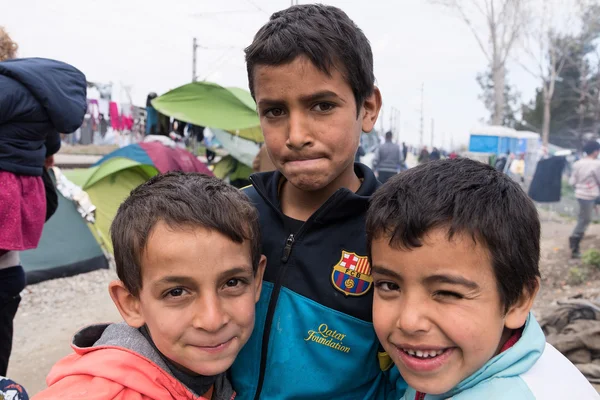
x: 515, y: 361
x: 267, y: 185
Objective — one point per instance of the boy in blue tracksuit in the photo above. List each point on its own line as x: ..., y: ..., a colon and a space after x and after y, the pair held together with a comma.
x: 455, y: 247
x: 310, y: 70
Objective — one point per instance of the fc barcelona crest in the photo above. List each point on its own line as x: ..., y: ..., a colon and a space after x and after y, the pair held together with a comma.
x: 352, y: 274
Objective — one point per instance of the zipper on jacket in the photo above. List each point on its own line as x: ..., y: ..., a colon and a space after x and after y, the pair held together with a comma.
x: 287, y: 251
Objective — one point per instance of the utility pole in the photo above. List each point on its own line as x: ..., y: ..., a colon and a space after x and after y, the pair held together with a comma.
x: 422, y: 117
x: 194, y: 49
x: 432, y: 130
x: 399, y: 126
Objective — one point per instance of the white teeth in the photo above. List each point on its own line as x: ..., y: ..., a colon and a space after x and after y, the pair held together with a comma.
x: 424, y: 354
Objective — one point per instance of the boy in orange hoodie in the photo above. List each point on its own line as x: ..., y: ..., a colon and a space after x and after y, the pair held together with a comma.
x: 187, y: 249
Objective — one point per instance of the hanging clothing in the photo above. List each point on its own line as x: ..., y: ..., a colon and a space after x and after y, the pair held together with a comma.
x: 151, y: 120
x: 547, y: 180
x: 113, y: 110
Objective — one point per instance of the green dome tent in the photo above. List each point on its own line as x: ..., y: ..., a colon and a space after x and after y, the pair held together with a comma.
x: 108, y: 185
x: 211, y: 105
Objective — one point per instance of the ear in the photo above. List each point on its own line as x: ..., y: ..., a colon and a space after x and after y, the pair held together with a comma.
x: 127, y: 304
x: 371, y: 107
x: 517, y: 314
x: 258, y: 277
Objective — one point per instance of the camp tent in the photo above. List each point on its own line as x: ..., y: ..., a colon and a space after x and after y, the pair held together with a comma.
x: 108, y: 184
x: 67, y: 247
x: 111, y: 180
x: 211, y: 105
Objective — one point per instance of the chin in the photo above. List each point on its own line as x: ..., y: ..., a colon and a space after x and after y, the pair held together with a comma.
x: 211, y: 368
x: 433, y: 388
x: 307, y: 184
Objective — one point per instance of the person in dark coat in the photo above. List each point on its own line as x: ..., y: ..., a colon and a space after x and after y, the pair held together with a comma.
x: 38, y: 99
x: 423, y: 156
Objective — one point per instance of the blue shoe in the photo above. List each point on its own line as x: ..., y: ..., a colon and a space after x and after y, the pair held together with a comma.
x: 10, y: 390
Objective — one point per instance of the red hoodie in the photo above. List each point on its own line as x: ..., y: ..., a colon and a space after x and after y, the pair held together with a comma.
x: 108, y: 372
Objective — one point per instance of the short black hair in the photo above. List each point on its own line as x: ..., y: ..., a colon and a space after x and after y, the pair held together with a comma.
x: 180, y: 200
x: 324, y: 34
x: 591, y: 147
x: 466, y: 197
x: 388, y: 135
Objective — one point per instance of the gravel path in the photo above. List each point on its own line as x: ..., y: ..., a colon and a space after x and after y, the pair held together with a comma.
x: 49, y: 314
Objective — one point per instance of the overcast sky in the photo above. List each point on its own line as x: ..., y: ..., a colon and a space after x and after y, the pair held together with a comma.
x: 148, y: 45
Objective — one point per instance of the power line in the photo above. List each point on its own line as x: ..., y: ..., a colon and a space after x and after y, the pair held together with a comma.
x: 422, y: 116
x: 257, y: 6
x: 210, y: 13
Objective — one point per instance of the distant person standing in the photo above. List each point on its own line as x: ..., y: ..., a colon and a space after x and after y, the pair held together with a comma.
x: 435, y: 154
x: 404, y: 151
x: 388, y: 159
x: 423, y: 156
x: 586, y: 180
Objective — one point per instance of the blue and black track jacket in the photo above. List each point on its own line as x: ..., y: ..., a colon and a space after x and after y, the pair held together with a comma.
x: 313, y: 337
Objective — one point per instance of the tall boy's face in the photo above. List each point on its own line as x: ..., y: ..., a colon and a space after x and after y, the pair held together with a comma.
x: 437, y: 310
x: 198, y: 296
x: 310, y: 122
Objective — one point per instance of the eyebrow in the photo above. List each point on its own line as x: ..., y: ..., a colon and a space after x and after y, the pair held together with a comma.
x: 310, y: 98
x: 174, y: 279
x: 236, y: 270
x: 440, y: 278
x: 378, y: 269
x: 186, y: 280
x: 452, y: 280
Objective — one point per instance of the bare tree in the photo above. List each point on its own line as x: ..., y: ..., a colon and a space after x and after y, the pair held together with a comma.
x: 547, y: 51
x: 496, y: 26
x: 588, y: 67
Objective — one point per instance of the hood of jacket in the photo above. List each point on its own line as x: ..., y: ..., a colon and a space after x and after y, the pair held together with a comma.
x: 117, y: 358
x: 39, y: 98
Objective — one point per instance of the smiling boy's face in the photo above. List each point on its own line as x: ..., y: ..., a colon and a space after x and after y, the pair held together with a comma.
x: 197, y: 298
x: 437, y: 309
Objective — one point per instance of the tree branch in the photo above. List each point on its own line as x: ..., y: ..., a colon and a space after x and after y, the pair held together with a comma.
x: 467, y: 20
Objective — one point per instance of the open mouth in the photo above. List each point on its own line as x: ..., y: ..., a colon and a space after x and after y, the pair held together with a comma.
x: 425, y: 361
x: 424, y: 354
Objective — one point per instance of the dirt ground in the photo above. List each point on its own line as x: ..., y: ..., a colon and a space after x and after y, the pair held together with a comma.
x: 52, y: 311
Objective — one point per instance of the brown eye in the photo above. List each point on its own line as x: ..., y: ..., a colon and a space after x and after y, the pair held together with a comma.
x: 274, y: 113
x: 387, y: 286
x: 324, y: 107
x: 177, y: 292
x: 232, y: 282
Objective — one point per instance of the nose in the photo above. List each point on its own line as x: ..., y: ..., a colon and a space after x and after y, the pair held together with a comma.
x: 413, y: 318
x: 209, y: 313
x: 298, y: 131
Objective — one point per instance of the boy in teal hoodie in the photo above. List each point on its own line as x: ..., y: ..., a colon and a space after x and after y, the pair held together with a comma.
x: 455, y: 247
